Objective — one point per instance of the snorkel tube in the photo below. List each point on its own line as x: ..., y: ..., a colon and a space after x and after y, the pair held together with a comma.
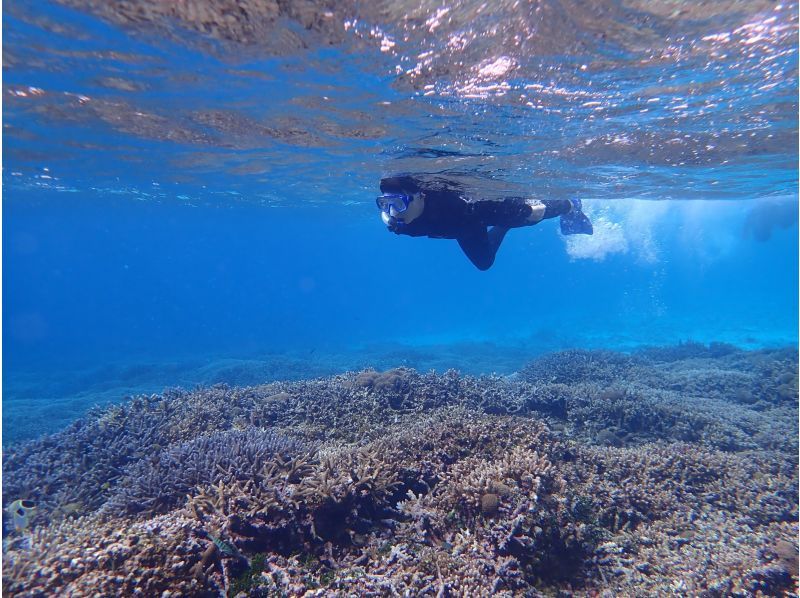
x: 392, y: 223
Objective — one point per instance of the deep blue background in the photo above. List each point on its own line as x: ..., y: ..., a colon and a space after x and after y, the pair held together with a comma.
x: 89, y: 281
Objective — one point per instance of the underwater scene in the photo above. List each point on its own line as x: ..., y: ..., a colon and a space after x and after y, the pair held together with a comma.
x: 400, y: 298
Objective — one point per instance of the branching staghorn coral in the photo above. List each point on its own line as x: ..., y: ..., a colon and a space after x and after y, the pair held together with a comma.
x: 89, y: 557
x: 160, y: 485
x: 330, y: 488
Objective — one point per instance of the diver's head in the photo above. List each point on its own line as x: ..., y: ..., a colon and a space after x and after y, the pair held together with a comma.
x: 400, y: 202
x: 400, y: 207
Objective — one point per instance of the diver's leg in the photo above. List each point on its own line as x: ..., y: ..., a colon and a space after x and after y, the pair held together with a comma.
x: 496, y: 236
x: 514, y: 212
x: 544, y: 209
x: 481, y: 246
x: 555, y: 207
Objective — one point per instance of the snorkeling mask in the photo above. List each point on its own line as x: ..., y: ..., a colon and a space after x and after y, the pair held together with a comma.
x: 390, y: 205
x: 393, y: 201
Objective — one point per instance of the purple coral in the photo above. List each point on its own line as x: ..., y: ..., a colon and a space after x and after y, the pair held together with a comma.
x: 578, y: 365
x: 423, y: 483
x: 160, y: 484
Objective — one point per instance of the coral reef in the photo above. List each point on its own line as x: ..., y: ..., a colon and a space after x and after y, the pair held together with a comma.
x: 37, y: 402
x: 640, y: 474
x: 158, y: 485
x: 577, y: 365
x: 682, y: 393
x: 91, y: 557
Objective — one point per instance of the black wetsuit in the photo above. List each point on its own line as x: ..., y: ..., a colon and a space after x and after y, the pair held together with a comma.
x: 447, y: 215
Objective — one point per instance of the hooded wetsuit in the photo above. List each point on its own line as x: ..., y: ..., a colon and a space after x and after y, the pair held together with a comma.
x: 447, y: 215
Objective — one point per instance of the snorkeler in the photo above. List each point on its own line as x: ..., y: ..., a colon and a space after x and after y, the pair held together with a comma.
x: 408, y: 207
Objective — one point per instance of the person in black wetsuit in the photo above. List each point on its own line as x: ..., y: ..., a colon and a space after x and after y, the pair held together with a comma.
x: 409, y: 207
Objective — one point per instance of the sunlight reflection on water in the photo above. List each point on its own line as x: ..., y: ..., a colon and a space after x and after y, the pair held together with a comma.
x: 658, y: 100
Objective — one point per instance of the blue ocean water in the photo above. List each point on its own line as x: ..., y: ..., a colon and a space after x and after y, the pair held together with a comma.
x: 184, y: 205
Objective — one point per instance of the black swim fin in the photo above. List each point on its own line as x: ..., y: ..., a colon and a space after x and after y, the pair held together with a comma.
x: 576, y: 222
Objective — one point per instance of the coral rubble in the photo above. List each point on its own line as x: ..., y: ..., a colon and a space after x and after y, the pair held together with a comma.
x: 666, y: 471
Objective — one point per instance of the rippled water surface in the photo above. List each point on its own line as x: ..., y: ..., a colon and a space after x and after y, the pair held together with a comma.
x: 657, y: 100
